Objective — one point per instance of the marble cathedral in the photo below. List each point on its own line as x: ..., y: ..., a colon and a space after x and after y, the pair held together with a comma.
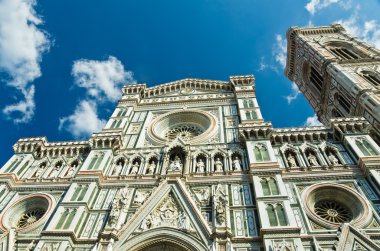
x: 192, y: 165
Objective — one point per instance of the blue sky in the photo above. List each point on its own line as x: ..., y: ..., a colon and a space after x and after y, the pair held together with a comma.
x: 63, y: 62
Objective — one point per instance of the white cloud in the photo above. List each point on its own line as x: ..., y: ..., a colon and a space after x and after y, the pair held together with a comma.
x: 279, y: 50
x: 22, y: 44
x: 315, y: 5
x: 84, y: 121
x: 294, y: 94
x: 102, y: 79
x: 368, y: 30
x: 312, y: 121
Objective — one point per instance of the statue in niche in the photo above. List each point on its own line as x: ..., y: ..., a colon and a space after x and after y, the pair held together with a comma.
x: 333, y: 159
x: 151, y: 167
x: 200, y: 166
x: 117, y: 169
x: 40, y: 170
x: 312, y: 159
x: 221, y: 202
x: 219, y: 165
x: 291, y: 160
x: 184, y: 222
x: 71, y: 171
x: 176, y: 164
x: 146, y: 223
x: 236, y: 163
x: 135, y: 168
x: 55, y: 172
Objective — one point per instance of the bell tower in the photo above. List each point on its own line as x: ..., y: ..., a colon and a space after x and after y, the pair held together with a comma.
x: 338, y: 73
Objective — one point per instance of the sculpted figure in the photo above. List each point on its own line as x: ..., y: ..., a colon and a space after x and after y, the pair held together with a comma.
x: 200, y: 166
x: 117, y: 169
x: 151, y: 167
x: 71, y: 171
x: 135, y: 168
x: 55, y: 171
x: 40, y: 170
x: 219, y: 165
x: 291, y: 160
x: 333, y: 159
x: 221, y: 202
x: 237, y: 164
x: 176, y: 164
x: 183, y: 221
x: 140, y: 197
x: 312, y: 159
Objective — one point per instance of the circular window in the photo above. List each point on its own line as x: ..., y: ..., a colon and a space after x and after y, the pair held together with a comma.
x: 330, y: 205
x: 27, y: 212
x: 190, y: 126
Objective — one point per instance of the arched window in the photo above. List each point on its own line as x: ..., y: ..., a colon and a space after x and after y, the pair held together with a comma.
x: 251, y: 115
x: 276, y: 215
x: 273, y: 186
x: 316, y: 79
x: 371, y: 77
x: 269, y: 186
x: 247, y: 103
x: 343, y: 102
x: 281, y: 215
x: 272, y: 215
x: 365, y: 147
x: 265, y: 186
x: 345, y: 51
x: 261, y: 153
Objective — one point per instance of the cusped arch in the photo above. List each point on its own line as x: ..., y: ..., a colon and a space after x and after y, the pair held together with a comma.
x: 162, y: 235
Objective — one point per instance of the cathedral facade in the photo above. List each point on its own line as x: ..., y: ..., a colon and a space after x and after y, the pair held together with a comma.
x: 192, y: 165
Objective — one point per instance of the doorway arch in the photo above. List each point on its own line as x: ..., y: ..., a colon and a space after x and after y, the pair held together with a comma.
x: 163, y: 237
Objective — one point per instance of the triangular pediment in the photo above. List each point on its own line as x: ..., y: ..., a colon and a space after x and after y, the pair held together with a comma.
x: 352, y: 239
x: 170, y: 206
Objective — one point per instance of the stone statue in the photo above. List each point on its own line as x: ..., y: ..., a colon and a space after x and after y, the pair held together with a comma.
x: 135, y: 168
x: 119, y: 205
x: 333, y: 159
x: 312, y: 159
x: 146, y: 223
x: 219, y: 165
x: 205, y: 195
x: 40, y: 170
x: 221, y: 202
x: 291, y: 160
x: 184, y: 222
x: 200, y: 166
x: 71, y: 171
x: 176, y: 164
x: 151, y: 167
x: 117, y: 169
x: 236, y: 164
x: 55, y: 171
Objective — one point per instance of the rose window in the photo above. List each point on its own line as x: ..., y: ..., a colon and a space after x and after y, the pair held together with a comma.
x: 185, y: 132
x: 192, y: 126
x: 331, y: 204
x: 332, y: 211
x: 30, y: 217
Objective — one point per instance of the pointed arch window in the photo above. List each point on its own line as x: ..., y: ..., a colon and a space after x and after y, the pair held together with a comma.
x: 371, y: 77
x: 316, y: 79
x: 261, y: 153
x: 250, y: 115
x: 269, y: 186
x: 365, y: 147
x: 247, y: 103
x: 343, y: 102
x: 276, y: 215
